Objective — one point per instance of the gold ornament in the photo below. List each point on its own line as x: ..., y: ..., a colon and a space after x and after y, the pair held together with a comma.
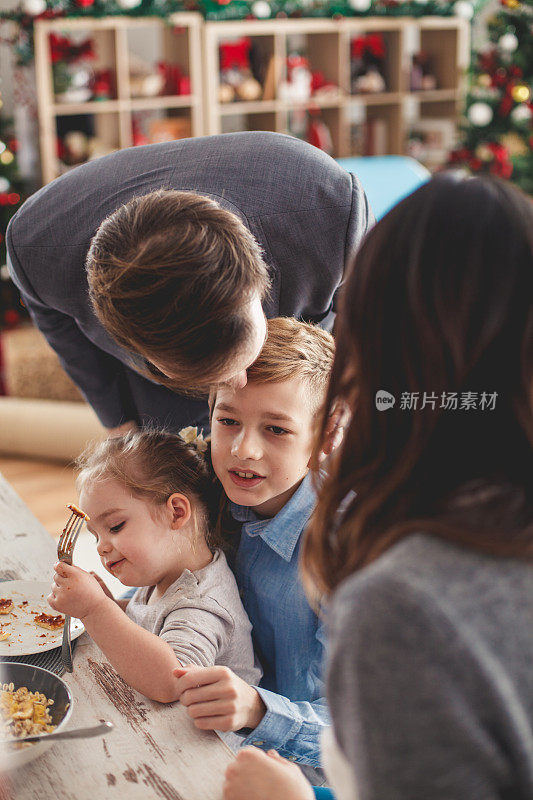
x: 520, y: 93
x: 7, y: 157
x: 484, y: 153
x: 515, y: 145
x: 512, y: 3
x: 484, y: 80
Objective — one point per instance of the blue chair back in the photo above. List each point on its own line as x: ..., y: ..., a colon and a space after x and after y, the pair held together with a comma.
x: 386, y: 179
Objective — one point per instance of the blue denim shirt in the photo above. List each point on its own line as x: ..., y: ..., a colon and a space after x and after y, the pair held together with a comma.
x: 288, y: 636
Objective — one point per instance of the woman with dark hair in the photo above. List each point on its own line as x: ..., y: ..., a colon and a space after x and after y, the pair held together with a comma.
x: 430, y: 558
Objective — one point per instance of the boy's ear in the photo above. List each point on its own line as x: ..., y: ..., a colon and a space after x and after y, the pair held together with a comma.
x: 180, y: 509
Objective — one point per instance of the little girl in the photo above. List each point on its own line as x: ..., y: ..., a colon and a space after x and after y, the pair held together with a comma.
x: 146, y: 494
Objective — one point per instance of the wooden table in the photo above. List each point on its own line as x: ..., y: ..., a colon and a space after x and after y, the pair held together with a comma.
x: 154, y: 750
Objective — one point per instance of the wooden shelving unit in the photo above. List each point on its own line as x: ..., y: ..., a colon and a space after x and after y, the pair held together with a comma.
x: 326, y: 43
x: 178, y: 42
x: 192, y: 44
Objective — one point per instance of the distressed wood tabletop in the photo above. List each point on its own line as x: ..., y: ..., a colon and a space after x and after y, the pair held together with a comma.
x: 154, y: 750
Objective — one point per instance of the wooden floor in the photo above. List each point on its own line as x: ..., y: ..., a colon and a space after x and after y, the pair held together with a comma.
x: 45, y: 487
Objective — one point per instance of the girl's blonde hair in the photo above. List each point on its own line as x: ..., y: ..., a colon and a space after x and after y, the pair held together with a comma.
x: 153, y: 464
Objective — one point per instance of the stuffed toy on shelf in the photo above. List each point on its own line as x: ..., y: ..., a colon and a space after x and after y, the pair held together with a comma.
x: 368, y: 64
x: 236, y: 79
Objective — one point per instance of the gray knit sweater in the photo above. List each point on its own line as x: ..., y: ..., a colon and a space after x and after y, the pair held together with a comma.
x: 430, y: 677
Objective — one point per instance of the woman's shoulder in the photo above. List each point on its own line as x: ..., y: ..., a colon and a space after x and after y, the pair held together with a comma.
x: 434, y: 566
x: 441, y: 594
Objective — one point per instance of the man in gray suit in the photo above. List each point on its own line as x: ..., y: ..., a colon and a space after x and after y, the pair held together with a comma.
x: 140, y: 270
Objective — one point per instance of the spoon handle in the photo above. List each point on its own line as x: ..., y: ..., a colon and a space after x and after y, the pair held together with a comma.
x: 77, y: 733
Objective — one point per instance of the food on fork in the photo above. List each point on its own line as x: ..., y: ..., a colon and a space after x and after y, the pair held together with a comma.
x: 78, y: 512
x: 6, y: 605
x: 49, y: 622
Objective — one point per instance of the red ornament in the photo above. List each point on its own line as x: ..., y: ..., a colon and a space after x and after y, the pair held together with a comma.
x: 62, y: 49
x: 174, y: 81
x: 318, y: 133
x: 461, y: 154
x: 11, y: 317
x: 500, y: 77
x: 102, y: 85
x: 506, y: 106
x: 137, y: 135
x: 84, y: 3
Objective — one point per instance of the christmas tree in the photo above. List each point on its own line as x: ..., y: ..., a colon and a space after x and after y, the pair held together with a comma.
x: 10, y: 201
x: 498, y: 123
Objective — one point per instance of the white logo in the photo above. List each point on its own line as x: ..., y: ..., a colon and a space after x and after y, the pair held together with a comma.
x: 384, y: 400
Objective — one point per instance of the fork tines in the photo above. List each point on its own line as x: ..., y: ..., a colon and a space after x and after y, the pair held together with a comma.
x: 67, y: 540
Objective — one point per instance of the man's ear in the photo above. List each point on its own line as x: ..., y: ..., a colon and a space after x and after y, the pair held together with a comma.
x: 180, y: 509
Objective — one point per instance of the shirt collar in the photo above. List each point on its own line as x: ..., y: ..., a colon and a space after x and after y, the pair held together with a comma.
x: 282, y: 532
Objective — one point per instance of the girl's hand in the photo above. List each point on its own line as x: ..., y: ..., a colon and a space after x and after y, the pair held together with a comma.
x: 103, y: 584
x: 74, y: 591
x: 217, y: 699
x: 255, y: 775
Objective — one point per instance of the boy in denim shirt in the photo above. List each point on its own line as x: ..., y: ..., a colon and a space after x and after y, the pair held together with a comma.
x: 261, y: 443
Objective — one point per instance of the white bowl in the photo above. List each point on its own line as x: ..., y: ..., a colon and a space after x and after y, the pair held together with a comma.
x: 36, y: 679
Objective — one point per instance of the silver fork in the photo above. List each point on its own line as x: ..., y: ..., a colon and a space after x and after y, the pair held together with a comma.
x: 65, y: 549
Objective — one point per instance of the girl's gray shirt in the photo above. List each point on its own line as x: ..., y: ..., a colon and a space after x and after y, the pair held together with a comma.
x: 430, y: 674
x: 202, y: 618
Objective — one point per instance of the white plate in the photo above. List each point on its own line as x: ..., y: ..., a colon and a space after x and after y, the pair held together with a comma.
x: 27, y: 637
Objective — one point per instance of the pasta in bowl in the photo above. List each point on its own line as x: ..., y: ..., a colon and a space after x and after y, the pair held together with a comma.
x: 32, y: 701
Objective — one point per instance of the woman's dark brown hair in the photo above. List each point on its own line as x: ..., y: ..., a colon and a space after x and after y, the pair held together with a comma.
x: 439, y: 300
x: 170, y: 275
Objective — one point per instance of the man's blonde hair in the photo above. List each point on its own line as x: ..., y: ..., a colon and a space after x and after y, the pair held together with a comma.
x: 294, y: 349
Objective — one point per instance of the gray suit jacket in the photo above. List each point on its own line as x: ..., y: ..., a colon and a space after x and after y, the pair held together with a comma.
x: 307, y: 213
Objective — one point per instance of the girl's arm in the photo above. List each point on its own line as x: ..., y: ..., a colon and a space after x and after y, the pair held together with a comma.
x: 141, y: 658
x: 217, y: 699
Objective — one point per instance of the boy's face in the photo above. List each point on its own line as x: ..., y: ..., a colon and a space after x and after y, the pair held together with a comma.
x: 261, y: 442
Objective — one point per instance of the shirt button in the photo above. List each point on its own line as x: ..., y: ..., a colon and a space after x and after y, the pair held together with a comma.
x: 291, y: 758
x: 258, y: 742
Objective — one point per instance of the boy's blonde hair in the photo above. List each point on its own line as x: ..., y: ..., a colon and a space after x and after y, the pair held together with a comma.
x: 152, y: 465
x: 294, y: 349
